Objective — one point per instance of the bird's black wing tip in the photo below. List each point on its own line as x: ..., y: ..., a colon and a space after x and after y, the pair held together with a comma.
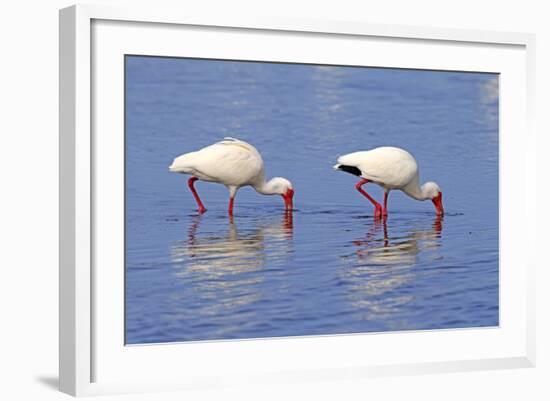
x: 350, y: 169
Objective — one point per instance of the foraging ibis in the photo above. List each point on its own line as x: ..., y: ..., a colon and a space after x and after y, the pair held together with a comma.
x: 391, y: 168
x: 233, y: 163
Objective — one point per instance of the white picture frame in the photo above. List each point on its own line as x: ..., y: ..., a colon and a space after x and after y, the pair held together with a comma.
x: 83, y: 344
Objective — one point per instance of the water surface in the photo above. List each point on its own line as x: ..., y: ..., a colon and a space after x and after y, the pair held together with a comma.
x: 329, y: 267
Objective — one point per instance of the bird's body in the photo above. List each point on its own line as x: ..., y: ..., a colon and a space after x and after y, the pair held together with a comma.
x: 233, y: 163
x: 230, y: 162
x: 391, y: 168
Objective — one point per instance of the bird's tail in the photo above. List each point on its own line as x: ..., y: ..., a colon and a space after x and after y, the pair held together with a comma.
x: 348, y: 169
x: 182, y: 164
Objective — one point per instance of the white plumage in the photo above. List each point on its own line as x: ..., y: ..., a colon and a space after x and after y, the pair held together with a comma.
x: 391, y: 168
x: 233, y: 163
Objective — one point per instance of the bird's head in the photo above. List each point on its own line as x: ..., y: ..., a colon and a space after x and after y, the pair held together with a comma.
x: 432, y: 191
x: 283, y: 187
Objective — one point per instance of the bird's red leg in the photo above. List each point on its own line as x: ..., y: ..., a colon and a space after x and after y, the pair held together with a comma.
x: 191, y: 183
x: 377, y: 206
x: 230, y: 209
x: 385, y: 211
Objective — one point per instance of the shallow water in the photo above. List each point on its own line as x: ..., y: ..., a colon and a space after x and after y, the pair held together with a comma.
x: 329, y: 267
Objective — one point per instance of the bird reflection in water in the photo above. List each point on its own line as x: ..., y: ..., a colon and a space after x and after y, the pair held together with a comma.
x: 226, y: 270
x: 383, y: 265
x: 402, y: 251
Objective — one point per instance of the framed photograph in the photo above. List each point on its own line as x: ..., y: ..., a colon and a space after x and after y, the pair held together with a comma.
x: 272, y: 200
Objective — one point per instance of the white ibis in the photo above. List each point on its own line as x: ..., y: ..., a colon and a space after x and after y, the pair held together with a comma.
x: 390, y: 168
x: 235, y: 164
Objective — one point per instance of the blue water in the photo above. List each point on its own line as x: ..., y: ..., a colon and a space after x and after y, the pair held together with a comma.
x: 329, y: 267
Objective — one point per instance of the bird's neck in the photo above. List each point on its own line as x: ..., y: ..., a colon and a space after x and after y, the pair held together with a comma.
x: 265, y: 187
x: 414, y: 190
